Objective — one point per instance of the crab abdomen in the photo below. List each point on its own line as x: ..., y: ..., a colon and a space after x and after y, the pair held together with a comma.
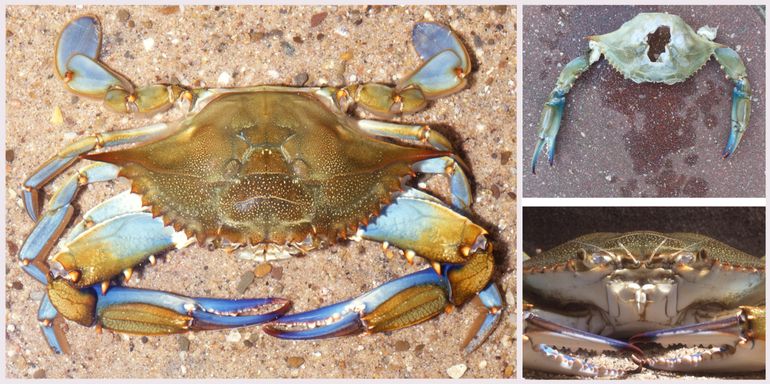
x: 266, y: 167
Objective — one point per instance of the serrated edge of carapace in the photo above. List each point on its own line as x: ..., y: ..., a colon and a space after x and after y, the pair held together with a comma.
x: 333, y: 235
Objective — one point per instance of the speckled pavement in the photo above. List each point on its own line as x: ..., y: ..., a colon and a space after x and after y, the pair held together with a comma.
x: 247, y: 46
x: 622, y: 139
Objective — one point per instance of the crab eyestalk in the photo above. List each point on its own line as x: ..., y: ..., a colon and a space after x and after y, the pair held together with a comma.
x: 550, y: 118
x: 735, y: 70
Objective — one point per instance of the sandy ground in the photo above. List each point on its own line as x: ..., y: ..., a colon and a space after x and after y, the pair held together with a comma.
x: 622, y: 139
x: 257, y: 45
x: 741, y: 227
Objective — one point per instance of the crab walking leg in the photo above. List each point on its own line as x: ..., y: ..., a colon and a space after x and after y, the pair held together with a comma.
x: 422, y: 225
x: 542, y: 338
x: 550, y: 119
x: 67, y: 156
x: 57, y: 216
x: 77, y: 64
x: 420, y: 135
x: 733, y: 66
x: 737, y: 340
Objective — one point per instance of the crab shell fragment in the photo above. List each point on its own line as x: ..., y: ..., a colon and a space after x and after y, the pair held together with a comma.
x: 669, y: 289
x: 629, y: 51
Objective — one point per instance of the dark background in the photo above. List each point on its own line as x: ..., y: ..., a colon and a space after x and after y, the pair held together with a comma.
x: 740, y: 227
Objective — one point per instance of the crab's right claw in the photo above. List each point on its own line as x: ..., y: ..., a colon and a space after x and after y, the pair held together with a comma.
x: 149, y: 312
x: 735, y: 70
x: 550, y: 118
x: 542, y: 338
x: 736, y: 343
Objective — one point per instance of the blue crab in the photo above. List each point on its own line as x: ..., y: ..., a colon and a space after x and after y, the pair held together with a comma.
x: 670, y: 289
x: 280, y: 170
x: 630, y: 51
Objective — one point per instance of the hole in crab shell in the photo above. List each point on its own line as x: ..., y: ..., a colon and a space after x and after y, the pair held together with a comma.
x: 657, y: 42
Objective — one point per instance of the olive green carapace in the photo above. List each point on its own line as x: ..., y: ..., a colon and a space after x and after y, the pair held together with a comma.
x: 643, y: 245
x: 265, y: 167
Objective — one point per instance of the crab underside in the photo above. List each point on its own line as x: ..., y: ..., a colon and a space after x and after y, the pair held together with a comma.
x: 618, y: 293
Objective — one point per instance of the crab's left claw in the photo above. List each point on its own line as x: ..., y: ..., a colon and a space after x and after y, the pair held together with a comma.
x: 400, y: 303
x: 735, y: 343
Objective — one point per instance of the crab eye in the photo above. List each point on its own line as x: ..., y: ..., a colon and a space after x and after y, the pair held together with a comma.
x: 685, y: 258
x: 591, y: 260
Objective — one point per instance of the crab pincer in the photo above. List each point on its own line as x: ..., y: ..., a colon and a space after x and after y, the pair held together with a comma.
x: 735, y: 343
x: 544, y: 338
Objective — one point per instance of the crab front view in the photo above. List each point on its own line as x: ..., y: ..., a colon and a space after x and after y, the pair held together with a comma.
x: 621, y: 292
x: 634, y: 51
x: 280, y: 170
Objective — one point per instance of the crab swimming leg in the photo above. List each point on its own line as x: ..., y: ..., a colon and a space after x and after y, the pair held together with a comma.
x: 77, y: 63
x: 550, y: 118
x: 543, y: 338
x: 737, y: 344
x: 447, y: 165
x: 462, y: 268
x: 733, y: 66
x: 444, y: 69
x: 113, y: 238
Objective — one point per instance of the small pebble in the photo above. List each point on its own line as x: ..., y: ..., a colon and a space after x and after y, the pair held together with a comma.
x: 273, y: 73
x: 17, y: 285
x: 500, y: 9
x: 301, y: 79
x: 277, y: 273
x: 505, y: 156
x: 224, y: 79
x: 123, y: 15
x: 39, y: 374
x: 10, y: 328
x: 317, y: 19
x: 168, y: 10
x: 9, y: 155
x: 402, y: 346
x: 246, y: 279
x: 233, y: 337
x: 295, y: 361
x: 508, y: 372
x: 288, y: 49
x: 482, y: 364
x: 145, y: 339
x: 56, y: 117
x: 184, y: 343
x: 457, y: 371
x: 263, y: 270
x: 148, y: 43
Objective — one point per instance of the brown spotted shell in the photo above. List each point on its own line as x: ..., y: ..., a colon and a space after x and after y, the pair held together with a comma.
x: 266, y: 167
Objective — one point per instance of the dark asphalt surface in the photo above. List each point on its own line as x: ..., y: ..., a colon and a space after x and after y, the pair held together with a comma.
x: 622, y: 139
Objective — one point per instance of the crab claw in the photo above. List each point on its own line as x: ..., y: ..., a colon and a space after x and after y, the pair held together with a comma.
x: 741, y: 110
x: 396, y: 304
x: 736, y: 343
x: 149, y: 312
x: 543, y: 335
